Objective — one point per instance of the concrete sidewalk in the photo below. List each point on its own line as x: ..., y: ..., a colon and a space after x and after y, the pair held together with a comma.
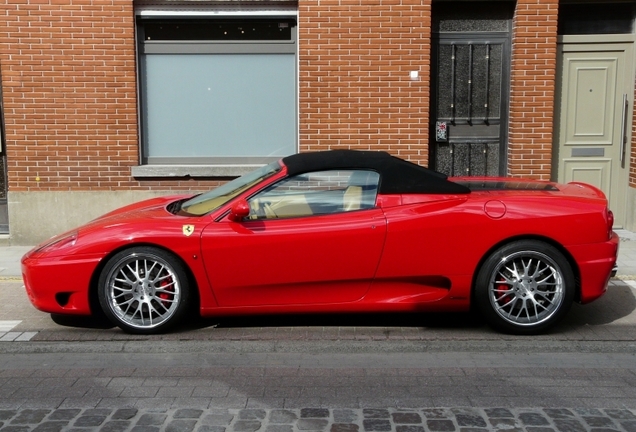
x: 10, y: 260
x: 627, y: 255
x: 10, y: 257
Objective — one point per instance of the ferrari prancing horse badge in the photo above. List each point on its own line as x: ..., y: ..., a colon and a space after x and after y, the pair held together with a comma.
x: 188, y: 230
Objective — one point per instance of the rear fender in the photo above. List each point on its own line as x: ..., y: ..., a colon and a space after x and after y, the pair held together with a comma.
x: 563, y: 250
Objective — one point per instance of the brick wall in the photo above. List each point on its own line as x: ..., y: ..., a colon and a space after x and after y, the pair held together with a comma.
x: 69, y: 88
x: 532, y: 88
x: 69, y: 95
x: 355, y: 92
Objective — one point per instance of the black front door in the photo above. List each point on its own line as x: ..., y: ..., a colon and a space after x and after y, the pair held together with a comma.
x: 471, y: 70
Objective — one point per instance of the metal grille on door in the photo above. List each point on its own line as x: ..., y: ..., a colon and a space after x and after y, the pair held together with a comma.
x: 468, y: 132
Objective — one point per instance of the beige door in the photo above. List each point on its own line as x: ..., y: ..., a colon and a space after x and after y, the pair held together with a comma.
x: 595, y: 85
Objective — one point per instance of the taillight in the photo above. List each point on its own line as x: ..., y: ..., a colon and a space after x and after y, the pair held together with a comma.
x: 610, y: 222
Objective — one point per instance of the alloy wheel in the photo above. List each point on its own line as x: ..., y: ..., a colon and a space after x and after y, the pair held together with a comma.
x: 143, y: 291
x: 526, y: 288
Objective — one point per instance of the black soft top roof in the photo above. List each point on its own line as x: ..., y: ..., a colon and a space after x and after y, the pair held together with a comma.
x: 396, y: 175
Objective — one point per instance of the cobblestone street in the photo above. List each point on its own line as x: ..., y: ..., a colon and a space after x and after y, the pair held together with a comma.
x: 318, y: 419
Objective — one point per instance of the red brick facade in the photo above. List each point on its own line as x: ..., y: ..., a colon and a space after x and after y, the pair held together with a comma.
x: 70, y: 96
x: 68, y: 79
x: 355, y: 86
x: 70, y: 92
x: 534, y: 47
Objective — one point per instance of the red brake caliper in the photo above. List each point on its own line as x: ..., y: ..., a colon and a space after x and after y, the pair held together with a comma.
x: 500, y: 292
x: 165, y: 295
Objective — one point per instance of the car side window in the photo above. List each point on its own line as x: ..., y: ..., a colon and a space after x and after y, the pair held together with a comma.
x: 316, y: 193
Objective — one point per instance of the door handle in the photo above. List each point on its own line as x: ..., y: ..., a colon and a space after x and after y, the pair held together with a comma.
x: 623, y: 131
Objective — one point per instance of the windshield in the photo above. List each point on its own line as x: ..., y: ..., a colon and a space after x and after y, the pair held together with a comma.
x: 209, y: 201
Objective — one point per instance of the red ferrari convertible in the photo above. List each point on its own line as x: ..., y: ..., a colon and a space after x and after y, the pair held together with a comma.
x: 338, y: 231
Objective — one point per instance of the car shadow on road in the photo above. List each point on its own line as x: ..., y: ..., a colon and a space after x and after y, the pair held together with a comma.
x: 449, y: 320
x: 617, y: 305
x: 430, y: 320
x: 88, y: 322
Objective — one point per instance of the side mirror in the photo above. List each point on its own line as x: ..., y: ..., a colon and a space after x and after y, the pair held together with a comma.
x: 240, y: 210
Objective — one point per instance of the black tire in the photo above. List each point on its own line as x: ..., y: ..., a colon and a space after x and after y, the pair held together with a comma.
x: 144, y: 290
x: 525, y: 287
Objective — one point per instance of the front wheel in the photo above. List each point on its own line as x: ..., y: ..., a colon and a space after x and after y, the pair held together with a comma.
x: 525, y: 287
x: 143, y: 290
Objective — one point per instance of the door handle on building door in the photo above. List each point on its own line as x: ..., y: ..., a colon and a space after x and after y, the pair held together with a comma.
x: 623, y: 131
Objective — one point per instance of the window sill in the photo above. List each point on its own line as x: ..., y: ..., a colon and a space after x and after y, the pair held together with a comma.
x: 190, y: 171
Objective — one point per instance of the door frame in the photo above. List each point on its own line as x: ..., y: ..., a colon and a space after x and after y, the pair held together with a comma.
x: 563, y: 41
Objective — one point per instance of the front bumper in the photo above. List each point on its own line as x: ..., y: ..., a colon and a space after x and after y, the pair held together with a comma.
x: 59, y: 284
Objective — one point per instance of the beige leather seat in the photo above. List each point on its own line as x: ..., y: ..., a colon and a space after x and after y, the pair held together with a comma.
x: 352, y: 199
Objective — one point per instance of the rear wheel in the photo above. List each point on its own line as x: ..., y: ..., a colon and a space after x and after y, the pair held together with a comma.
x: 144, y: 290
x: 525, y: 287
